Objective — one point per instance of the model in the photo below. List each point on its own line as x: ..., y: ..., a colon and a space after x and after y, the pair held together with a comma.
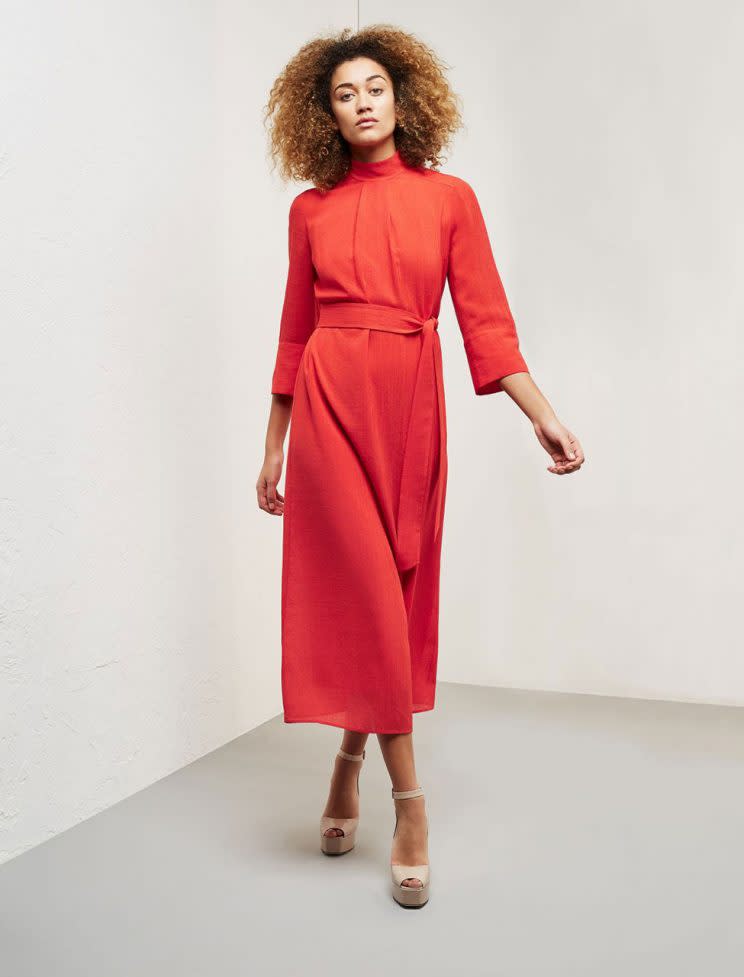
x: 358, y: 367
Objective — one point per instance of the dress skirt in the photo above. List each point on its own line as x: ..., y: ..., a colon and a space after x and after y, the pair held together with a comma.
x: 365, y: 484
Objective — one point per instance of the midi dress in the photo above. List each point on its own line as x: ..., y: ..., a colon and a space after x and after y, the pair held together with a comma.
x: 366, y: 462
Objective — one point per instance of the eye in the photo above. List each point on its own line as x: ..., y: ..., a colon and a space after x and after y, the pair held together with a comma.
x: 346, y: 95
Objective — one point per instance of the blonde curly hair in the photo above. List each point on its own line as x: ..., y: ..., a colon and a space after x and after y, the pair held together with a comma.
x: 303, y: 140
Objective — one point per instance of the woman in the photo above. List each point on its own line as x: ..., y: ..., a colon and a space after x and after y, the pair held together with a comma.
x: 359, y: 368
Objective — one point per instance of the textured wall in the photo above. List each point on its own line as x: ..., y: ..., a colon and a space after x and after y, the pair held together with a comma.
x: 139, y: 591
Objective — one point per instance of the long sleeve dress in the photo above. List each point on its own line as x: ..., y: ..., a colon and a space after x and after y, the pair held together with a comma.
x: 366, y: 463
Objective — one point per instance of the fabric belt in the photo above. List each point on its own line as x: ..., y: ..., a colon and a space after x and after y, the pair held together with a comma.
x: 428, y: 398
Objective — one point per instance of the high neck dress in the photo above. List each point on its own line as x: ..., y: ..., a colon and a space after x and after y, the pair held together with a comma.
x: 366, y: 461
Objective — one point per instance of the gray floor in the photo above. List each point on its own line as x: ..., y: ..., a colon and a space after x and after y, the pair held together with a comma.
x: 574, y: 835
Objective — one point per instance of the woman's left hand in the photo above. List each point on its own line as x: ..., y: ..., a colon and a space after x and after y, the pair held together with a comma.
x: 560, y: 444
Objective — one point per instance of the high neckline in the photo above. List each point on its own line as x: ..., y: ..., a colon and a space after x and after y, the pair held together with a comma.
x: 390, y: 166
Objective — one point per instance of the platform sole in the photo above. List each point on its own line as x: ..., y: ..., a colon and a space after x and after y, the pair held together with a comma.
x: 337, y: 844
x: 409, y: 896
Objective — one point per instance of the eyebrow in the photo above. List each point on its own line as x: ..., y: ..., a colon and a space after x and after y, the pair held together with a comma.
x: 348, y: 84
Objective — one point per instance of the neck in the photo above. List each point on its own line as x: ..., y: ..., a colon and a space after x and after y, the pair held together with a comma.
x: 374, y: 153
x: 391, y: 165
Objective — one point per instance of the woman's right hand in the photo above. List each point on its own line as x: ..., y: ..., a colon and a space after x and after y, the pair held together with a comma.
x: 270, y: 498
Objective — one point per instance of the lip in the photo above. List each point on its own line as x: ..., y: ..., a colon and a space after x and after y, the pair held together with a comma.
x: 366, y: 122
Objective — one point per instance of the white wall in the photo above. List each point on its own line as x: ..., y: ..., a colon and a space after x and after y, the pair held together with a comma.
x: 143, y: 259
x: 604, y: 143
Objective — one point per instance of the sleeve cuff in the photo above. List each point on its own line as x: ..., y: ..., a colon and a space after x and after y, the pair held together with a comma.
x: 490, y: 359
x: 288, y: 358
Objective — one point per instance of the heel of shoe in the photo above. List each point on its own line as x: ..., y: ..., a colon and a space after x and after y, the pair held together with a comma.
x: 408, y: 895
x: 340, y: 844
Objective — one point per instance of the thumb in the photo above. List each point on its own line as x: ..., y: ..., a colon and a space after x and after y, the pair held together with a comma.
x: 567, y: 446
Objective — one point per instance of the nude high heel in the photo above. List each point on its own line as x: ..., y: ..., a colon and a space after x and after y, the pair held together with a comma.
x: 409, y: 895
x: 338, y: 844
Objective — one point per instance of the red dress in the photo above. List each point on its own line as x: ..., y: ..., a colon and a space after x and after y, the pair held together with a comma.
x: 366, y: 463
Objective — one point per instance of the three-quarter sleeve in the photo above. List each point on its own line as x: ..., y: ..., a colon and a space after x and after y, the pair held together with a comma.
x: 478, y: 297
x: 299, y: 311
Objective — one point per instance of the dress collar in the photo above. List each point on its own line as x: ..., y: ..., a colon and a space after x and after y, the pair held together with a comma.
x: 390, y: 166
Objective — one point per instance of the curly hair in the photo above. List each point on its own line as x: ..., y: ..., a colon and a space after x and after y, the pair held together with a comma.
x: 303, y: 139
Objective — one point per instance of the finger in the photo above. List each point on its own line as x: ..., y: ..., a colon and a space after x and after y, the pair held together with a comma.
x: 263, y: 498
x: 271, y: 493
x: 566, y: 469
x: 571, y: 446
x: 278, y: 509
x: 575, y: 443
x: 579, y: 458
x: 567, y: 446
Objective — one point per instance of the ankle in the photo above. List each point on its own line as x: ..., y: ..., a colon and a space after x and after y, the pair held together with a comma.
x: 411, y: 810
x: 412, y: 807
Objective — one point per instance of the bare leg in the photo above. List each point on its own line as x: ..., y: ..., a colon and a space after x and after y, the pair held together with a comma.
x: 410, y: 842
x: 343, y: 798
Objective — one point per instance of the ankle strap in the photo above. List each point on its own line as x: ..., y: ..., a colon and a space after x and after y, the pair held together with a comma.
x: 400, y: 794
x: 352, y: 756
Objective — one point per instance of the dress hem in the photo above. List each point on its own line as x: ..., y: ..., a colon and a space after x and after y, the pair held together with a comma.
x: 326, y: 722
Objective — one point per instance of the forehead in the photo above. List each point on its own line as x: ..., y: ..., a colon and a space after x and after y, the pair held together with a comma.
x: 358, y: 72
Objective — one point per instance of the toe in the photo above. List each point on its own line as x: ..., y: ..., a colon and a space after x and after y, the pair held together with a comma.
x: 413, y: 883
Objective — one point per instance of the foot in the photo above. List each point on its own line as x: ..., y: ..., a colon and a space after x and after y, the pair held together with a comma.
x: 343, y: 797
x: 410, y: 841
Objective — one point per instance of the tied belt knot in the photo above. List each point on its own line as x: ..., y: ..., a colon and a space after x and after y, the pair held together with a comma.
x: 428, y: 401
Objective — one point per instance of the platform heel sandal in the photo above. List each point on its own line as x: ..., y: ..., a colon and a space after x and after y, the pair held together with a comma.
x: 409, y: 895
x: 338, y: 844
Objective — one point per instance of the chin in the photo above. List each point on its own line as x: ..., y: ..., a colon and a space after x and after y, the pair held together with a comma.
x: 369, y: 137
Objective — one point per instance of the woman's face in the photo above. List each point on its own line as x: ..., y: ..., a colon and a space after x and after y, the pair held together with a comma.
x: 362, y: 90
